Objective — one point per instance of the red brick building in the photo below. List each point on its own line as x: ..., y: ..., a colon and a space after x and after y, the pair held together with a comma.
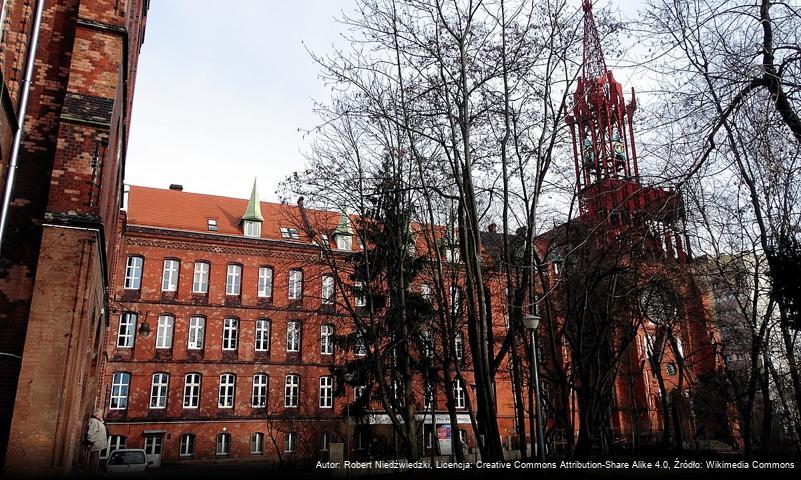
x: 60, y: 233
x: 217, y: 346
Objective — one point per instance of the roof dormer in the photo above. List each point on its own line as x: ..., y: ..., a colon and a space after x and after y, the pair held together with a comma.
x: 252, y: 219
x: 343, y: 233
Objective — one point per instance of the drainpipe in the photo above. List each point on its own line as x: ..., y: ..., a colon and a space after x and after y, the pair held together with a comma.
x: 23, y: 106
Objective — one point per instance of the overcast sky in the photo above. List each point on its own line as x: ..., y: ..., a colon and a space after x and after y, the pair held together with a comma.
x: 222, y: 89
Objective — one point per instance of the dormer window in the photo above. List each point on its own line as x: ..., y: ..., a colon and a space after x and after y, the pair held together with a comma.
x: 344, y: 242
x: 252, y: 229
x: 212, y: 225
x: 287, y: 232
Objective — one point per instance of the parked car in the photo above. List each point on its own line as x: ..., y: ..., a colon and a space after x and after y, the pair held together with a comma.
x: 127, y: 461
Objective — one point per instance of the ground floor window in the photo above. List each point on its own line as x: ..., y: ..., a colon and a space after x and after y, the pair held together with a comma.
x: 187, y: 445
x: 153, y: 444
x: 115, y: 442
x: 290, y: 442
x: 257, y: 443
x: 223, y: 444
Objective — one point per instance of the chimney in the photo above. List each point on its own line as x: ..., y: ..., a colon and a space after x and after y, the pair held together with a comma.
x: 300, y: 202
x: 493, y: 228
x: 176, y: 187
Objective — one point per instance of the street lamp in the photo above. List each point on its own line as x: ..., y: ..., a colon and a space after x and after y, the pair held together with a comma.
x: 348, y: 377
x: 531, y: 322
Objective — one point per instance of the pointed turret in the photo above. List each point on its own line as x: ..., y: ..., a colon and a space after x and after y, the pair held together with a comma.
x: 343, y: 232
x: 253, y: 210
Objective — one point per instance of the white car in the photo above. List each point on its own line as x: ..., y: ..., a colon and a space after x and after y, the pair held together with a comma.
x: 127, y: 461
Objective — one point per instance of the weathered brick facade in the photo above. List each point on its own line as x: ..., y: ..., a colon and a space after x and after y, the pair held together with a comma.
x: 58, y: 249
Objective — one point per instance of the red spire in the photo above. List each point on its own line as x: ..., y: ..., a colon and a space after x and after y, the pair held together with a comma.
x: 593, y: 65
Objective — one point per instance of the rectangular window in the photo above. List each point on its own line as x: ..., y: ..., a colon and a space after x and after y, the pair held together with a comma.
x: 164, y: 331
x: 343, y: 241
x: 133, y: 273
x: 295, y: 287
x: 291, y: 390
x: 158, y: 390
x: 260, y: 381
x: 358, y: 392
x: 230, y: 333
x: 115, y: 442
x: 154, y: 444
x: 169, y: 277
x: 290, y: 442
x: 325, y: 441
x: 223, y: 444
x: 326, y: 339
x: 427, y: 339
x: 200, y: 282
x: 262, y: 335
x: 328, y: 290
x: 425, y: 291
x: 197, y: 327
x: 360, y: 349
x: 187, y: 445
x: 428, y: 401
x: 233, y: 280
x: 326, y: 392
x: 293, y: 336
x: 212, y: 224
x: 252, y: 229
x: 359, y: 293
x: 287, y: 232
x: 257, y: 443
x: 192, y: 390
x: 120, y: 383
x: 458, y: 345
x: 265, y: 282
x: 125, y: 335
x: 459, y: 393
x: 227, y: 385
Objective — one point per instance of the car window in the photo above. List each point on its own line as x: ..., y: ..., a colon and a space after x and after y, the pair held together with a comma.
x: 126, y: 458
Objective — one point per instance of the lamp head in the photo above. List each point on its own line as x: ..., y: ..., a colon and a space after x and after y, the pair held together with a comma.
x: 531, y: 322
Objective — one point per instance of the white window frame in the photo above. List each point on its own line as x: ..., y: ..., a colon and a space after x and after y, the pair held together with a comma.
x: 252, y: 229
x: 360, y: 347
x: 260, y: 392
x: 458, y: 345
x: 344, y: 242
x: 326, y: 339
x: 169, y: 275
x: 359, y: 294
x: 459, y: 394
x: 290, y: 442
x: 223, y: 444
x: 291, y: 390
x: 192, y: 382
x: 227, y: 390
x: 230, y: 337
x: 197, y: 330
x: 115, y: 442
x: 326, y: 392
x: 262, y: 335
x: 328, y: 291
x: 200, y: 279
x: 159, y: 388
x: 358, y: 391
x: 120, y: 387
x: 257, y: 443
x: 325, y: 441
x: 127, y: 329
x: 428, y: 396
x: 290, y: 232
x: 233, y: 279
x: 293, y: 333
x: 187, y: 445
x: 164, y: 331
x: 295, y: 285
x: 133, y: 272
x: 265, y: 286
x: 211, y: 224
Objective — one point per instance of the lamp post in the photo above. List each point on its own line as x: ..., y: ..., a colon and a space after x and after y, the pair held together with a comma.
x: 531, y: 322
x: 348, y: 377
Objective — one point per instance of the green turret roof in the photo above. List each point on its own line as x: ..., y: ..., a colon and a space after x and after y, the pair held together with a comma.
x: 253, y: 210
x: 343, y: 227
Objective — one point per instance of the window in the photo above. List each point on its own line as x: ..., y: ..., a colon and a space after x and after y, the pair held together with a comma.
x: 257, y: 443
x: 343, y: 241
x: 120, y: 383
x: 260, y: 382
x: 326, y: 339
x: 325, y: 441
x: 115, y: 442
x: 290, y: 442
x: 262, y: 335
x: 164, y: 331
x: 358, y: 392
x: 428, y: 343
x: 458, y: 345
x: 425, y: 291
x: 265, y: 282
x: 223, y: 443
x: 292, y: 233
x: 360, y: 348
x: 187, y: 445
x: 192, y: 390
x: 169, y: 277
x: 230, y: 333
x: 158, y: 390
x: 295, y: 284
x: 197, y: 327
x: 359, y: 293
x: 227, y: 385
x: 252, y: 229
x: 233, y: 280
x: 328, y: 290
x: 679, y: 348
x: 293, y: 336
x: 459, y: 393
x: 154, y: 444
x: 291, y: 390
x: 325, y: 239
x: 212, y: 224
x: 326, y: 392
x: 200, y: 282
x: 428, y: 397
x: 133, y: 273
x: 125, y: 335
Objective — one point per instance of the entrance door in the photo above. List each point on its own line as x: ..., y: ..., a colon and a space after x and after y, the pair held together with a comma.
x: 153, y: 446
